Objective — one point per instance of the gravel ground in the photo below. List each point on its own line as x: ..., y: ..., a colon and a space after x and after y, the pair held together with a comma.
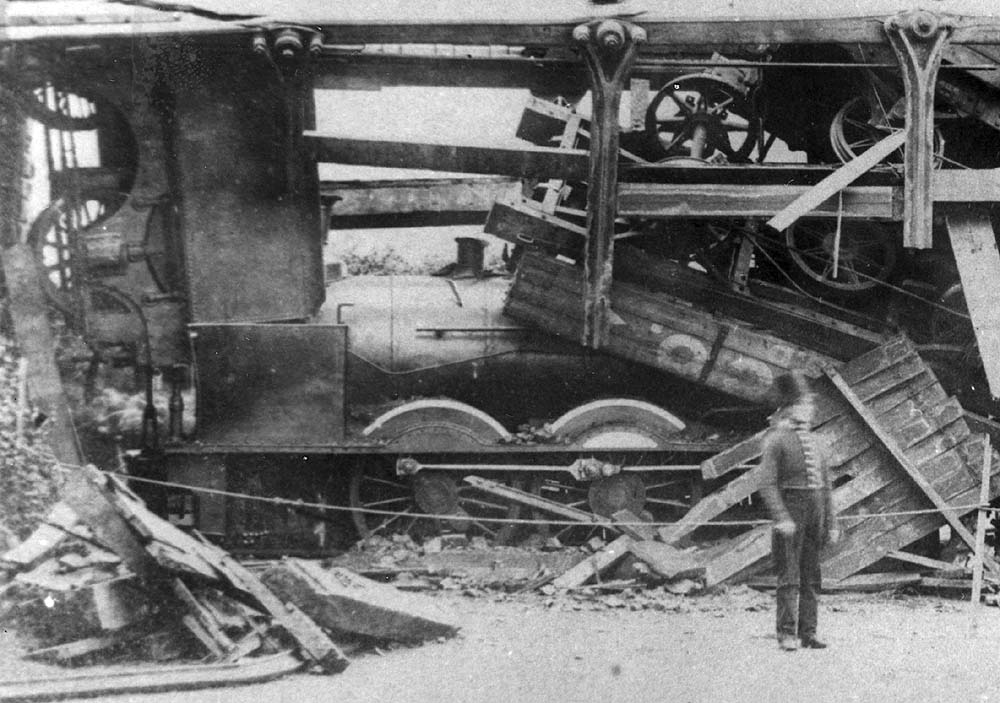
x: 716, y: 648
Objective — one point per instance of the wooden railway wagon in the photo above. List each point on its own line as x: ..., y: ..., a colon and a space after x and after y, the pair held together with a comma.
x: 700, y: 196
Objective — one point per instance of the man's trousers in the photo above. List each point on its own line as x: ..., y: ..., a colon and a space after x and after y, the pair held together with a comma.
x: 796, y: 561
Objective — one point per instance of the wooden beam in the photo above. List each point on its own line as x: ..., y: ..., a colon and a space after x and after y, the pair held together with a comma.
x: 835, y: 182
x: 160, y: 679
x: 889, y: 442
x: 973, y: 242
x: 524, y: 162
x: 595, y: 564
x: 685, y: 200
x: 926, y: 562
x: 425, y: 195
x: 981, y: 520
x: 531, y: 500
x: 713, y: 505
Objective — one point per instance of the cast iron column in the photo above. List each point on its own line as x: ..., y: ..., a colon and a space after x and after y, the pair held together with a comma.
x: 609, y: 47
x: 918, y: 38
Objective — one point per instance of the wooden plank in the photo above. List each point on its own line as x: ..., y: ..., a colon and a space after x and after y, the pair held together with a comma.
x: 904, y: 462
x: 346, y: 604
x: 911, y: 528
x: 835, y: 182
x: 740, y: 554
x: 664, y: 201
x: 630, y: 524
x: 669, y: 562
x: 966, y: 185
x: 524, y: 162
x: 742, y: 452
x: 160, y: 679
x: 67, y: 652
x: 594, y: 564
x: 538, y: 503
x: 713, y: 505
x: 981, y: 520
x: 926, y: 562
x: 814, y: 330
x: 310, y: 639
x: 974, y: 245
x: 365, y: 199
x: 220, y: 644
x: 520, y: 222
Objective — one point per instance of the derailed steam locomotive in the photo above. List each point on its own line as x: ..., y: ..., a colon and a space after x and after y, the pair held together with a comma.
x: 785, y: 192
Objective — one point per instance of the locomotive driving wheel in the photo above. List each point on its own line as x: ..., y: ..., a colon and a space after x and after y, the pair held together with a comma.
x: 424, y: 504
x: 701, y: 116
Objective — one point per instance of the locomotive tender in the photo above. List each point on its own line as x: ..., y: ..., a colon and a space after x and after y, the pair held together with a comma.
x: 812, y: 183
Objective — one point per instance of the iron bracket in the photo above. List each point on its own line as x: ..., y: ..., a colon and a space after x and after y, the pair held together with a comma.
x: 918, y: 37
x: 609, y: 49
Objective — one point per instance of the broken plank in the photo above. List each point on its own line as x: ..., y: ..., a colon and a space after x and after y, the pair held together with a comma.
x: 836, y: 181
x: 926, y: 562
x: 632, y: 525
x: 310, y: 638
x: 736, y: 455
x: 530, y: 499
x: 739, y: 554
x: 873, y: 582
x: 523, y: 162
x: 521, y: 222
x: 904, y: 462
x: 69, y: 651
x: 221, y: 644
x: 248, y: 671
x: 713, y: 505
x: 669, y: 562
x: 345, y: 603
x: 594, y: 564
x: 179, y: 561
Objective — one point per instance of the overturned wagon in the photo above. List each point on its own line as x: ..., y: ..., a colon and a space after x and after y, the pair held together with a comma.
x: 698, y: 200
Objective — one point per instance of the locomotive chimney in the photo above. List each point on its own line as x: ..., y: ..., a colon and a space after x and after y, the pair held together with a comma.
x: 470, y: 257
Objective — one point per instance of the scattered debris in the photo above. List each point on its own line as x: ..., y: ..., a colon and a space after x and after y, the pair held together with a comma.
x: 74, y: 599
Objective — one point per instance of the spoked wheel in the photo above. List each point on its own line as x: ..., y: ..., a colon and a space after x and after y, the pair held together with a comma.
x: 54, y: 236
x: 867, y: 256
x: 861, y: 123
x: 425, y: 504
x: 701, y: 116
x: 952, y: 325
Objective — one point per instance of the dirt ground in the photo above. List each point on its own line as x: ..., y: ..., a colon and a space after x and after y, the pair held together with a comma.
x: 526, y: 648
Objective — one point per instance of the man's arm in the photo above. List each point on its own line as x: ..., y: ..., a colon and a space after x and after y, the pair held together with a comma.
x: 770, y: 460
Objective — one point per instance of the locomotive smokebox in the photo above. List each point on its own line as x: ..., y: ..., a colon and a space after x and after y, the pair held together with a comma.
x: 470, y: 257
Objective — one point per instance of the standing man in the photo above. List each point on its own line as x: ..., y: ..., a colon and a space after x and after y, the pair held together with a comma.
x: 796, y: 490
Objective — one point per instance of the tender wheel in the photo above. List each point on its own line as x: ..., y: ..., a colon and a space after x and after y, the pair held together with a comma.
x: 953, y: 328
x: 405, y: 504
x: 867, y: 256
x: 859, y: 125
x: 700, y: 116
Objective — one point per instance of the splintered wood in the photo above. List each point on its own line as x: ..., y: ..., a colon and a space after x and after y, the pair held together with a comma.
x: 195, y: 594
x: 903, y: 462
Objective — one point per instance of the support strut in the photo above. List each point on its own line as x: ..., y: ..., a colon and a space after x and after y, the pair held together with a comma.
x: 610, y: 48
x: 918, y: 37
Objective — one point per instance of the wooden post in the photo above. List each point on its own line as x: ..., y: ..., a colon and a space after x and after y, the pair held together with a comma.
x: 984, y: 498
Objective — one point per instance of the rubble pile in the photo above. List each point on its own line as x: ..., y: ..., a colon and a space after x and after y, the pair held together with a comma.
x: 28, y: 479
x: 182, y: 599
